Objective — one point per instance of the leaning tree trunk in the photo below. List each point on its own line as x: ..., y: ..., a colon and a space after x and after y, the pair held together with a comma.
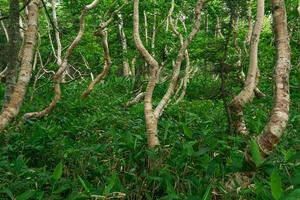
x: 152, y: 116
x: 280, y: 110
x: 12, y: 53
x: 247, y: 94
x: 62, y: 68
x: 12, y: 108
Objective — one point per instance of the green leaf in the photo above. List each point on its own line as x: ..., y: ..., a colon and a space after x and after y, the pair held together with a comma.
x: 8, y: 192
x: 276, y: 186
x: 58, y: 171
x: 83, y: 184
x: 187, y: 132
x: 26, y: 195
x: 110, y: 184
x: 207, y: 193
x: 295, y: 195
x: 255, y: 152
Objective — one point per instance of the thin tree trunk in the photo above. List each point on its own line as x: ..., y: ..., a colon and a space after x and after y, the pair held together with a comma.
x: 12, y: 53
x: 58, y: 75
x: 126, y: 67
x: 276, y: 125
x: 151, y: 119
x: 247, y: 94
x: 5, y: 30
x: 57, y: 36
x: 151, y: 115
x: 107, y: 62
x: 15, y: 102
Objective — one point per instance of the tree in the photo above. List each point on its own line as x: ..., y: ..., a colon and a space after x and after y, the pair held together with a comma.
x: 152, y: 115
x: 12, y: 107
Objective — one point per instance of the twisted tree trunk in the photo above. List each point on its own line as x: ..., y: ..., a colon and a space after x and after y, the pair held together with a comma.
x: 280, y: 111
x: 247, y: 94
x: 151, y: 115
x: 107, y: 62
x: 12, y: 108
x: 62, y: 68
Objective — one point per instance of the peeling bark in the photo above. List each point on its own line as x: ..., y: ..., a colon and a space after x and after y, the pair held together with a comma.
x: 276, y: 125
x: 15, y: 102
x: 247, y: 93
x: 62, y: 68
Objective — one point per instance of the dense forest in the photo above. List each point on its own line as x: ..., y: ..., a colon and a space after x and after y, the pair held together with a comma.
x: 150, y: 99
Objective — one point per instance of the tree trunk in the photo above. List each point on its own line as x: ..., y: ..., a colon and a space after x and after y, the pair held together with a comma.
x: 280, y: 111
x: 151, y: 119
x: 107, y: 62
x: 247, y: 94
x: 12, y: 53
x: 62, y: 68
x: 151, y: 115
x: 16, y: 99
x: 126, y: 67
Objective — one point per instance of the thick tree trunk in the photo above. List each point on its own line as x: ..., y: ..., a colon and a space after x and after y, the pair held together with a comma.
x: 280, y: 110
x: 62, y: 68
x: 247, y: 94
x: 16, y: 99
x: 12, y: 53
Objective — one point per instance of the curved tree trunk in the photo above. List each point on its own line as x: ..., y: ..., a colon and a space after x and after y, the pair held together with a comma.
x: 247, y: 94
x: 151, y: 119
x: 152, y: 116
x: 12, y: 53
x: 107, y: 62
x: 280, y: 110
x: 16, y: 99
x: 62, y: 68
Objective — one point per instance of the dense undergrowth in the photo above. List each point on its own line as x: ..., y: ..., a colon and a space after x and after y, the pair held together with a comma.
x: 96, y: 149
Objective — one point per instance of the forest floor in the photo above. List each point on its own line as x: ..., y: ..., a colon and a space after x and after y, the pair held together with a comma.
x: 96, y: 149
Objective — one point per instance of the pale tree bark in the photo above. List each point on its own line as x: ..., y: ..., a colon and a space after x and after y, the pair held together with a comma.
x: 57, y: 35
x: 126, y: 67
x: 62, y: 68
x: 16, y: 99
x: 218, y: 31
x: 276, y: 125
x: 151, y: 120
x: 299, y: 8
x: 258, y: 94
x: 152, y: 116
x: 12, y: 53
x: 107, y: 60
x: 188, y: 71
x: 247, y: 93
